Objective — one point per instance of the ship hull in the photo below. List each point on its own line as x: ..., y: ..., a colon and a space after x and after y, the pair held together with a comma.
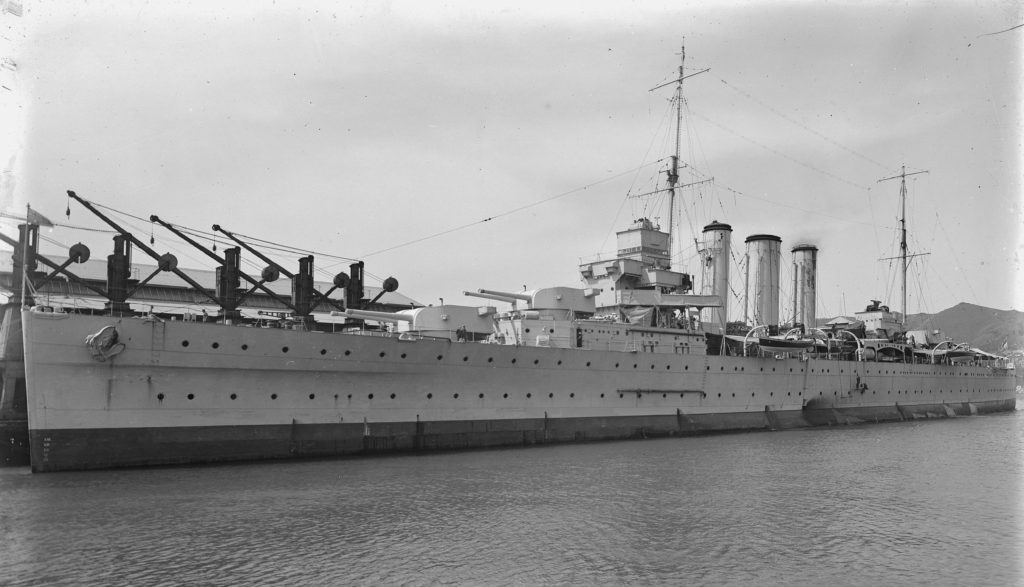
x: 181, y: 392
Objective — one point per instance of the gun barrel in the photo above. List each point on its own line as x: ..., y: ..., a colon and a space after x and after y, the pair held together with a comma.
x: 521, y: 295
x: 380, y: 316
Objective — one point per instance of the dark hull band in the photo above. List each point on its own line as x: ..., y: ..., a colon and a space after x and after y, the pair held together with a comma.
x: 74, y: 449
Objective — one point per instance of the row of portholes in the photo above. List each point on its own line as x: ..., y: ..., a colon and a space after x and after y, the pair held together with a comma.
x: 234, y: 396
x: 273, y: 396
x: 382, y: 354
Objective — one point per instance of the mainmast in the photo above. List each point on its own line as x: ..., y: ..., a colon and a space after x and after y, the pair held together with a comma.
x: 904, y: 257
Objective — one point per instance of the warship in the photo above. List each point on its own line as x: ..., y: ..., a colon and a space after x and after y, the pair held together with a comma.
x: 638, y: 350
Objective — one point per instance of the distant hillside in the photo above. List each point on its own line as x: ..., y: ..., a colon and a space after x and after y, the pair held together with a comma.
x: 982, y: 327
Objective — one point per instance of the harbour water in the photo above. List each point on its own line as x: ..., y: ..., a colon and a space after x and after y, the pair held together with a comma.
x: 923, y: 502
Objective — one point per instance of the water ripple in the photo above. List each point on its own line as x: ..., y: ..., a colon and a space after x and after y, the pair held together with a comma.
x: 935, y: 502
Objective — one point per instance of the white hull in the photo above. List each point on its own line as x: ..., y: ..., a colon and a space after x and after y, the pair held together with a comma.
x: 212, y: 378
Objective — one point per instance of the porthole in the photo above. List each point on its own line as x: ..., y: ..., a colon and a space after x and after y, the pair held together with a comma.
x: 274, y: 396
x: 667, y: 367
x: 160, y: 397
x: 588, y: 363
x: 490, y: 359
x: 719, y: 395
x: 620, y: 396
x: 381, y: 354
x: 245, y: 347
x: 312, y: 396
x: 513, y: 361
x: 284, y: 349
x: 504, y: 395
x: 455, y: 395
x: 664, y: 395
x: 652, y: 365
x: 529, y: 395
x: 686, y: 368
x: 616, y: 365
x: 430, y: 396
x: 551, y: 330
x: 527, y: 330
x: 464, y: 359
x: 481, y: 396
x: 323, y: 352
x: 559, y: 362
x: 602, y: 396
x: 234, y: 396
x: 349, y: 396
x: 347, y: 353
x: 551, y: 395
x: 184, y: 343
x: 215, y: 345
x: 752, y: 394
x: 536, y: 361
x: 722, y: 368
x: 734, y: 395
x: 335, y: 396
x: 571, y: 395
x: 439, y: 357
x: 369, y: 396
x: 392, y: 396
x: 403, y: 355
x: 191, y: 396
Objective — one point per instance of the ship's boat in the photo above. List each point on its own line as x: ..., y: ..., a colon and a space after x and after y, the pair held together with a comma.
x: 785, y: 345
x: 637, y: 351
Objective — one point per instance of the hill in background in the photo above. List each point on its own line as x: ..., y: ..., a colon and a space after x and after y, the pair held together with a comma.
x: 984, y: 328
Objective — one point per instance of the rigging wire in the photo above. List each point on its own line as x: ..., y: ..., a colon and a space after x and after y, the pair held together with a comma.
x: 956, y: 259
x: 774, y: 203
x: 507, y: 212
x: 801, y: 125
x: 783, y: 155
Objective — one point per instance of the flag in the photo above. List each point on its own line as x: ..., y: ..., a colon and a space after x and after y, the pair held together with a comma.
x: 33, y: 217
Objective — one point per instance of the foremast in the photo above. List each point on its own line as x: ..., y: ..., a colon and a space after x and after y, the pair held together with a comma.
x: 673, y: 172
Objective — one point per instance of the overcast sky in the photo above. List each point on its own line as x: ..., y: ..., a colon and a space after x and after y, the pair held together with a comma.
x: 361, y: 129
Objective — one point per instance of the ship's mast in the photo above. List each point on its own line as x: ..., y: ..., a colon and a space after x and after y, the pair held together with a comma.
x: 904, y: 257
x: 673, y: 172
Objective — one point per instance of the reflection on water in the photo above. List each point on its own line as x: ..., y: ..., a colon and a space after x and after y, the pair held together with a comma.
x: 915, y: 502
